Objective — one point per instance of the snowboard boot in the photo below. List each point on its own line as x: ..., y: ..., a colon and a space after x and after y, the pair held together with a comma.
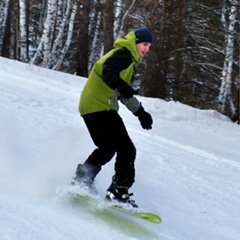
x: 84, y: 180
x: 120, y: 194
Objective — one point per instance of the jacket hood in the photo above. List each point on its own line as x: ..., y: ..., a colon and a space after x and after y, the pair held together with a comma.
x: 128, y: 42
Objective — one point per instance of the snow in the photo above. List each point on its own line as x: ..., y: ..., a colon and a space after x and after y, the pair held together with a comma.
x: 187, y: 166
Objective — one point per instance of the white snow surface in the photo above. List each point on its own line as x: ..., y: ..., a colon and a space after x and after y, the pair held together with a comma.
x: 187, y: 166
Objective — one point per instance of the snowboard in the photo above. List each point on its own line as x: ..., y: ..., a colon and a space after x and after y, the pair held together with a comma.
x: 92, y: 201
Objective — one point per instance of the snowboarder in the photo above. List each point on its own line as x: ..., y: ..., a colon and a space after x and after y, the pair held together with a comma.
x: 108, y: 83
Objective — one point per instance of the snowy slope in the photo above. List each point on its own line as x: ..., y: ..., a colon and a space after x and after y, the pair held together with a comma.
x: 187, y: 166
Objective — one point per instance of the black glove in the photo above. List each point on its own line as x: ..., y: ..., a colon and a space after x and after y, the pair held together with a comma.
x: 126, y: 91
x: 145, y: 118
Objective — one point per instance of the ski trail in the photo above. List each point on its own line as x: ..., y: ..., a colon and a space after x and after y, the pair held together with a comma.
x: 195, y: 170
x: 142, y: 137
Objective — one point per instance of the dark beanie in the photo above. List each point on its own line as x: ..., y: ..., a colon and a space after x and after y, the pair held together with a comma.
x: 143, y: 35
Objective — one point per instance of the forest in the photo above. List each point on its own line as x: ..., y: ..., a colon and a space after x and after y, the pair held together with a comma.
x: 194, y: 59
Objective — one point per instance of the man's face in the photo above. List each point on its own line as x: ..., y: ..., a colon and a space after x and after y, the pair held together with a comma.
x: 143, y: 48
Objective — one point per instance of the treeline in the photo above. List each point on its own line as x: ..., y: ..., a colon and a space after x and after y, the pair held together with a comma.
x: 194, y: 58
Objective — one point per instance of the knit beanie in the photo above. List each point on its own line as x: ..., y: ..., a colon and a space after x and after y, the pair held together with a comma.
x: 143, y: 35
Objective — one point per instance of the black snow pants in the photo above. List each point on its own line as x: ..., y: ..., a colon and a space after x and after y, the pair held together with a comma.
x: 109, y: 134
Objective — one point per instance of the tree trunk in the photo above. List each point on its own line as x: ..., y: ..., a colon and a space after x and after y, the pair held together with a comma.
x: 225, y: 91
x: 4, y: 10
x: 69, y: 38
x: 108, y: 19
x: 23, y: 46
x: 83, y: 39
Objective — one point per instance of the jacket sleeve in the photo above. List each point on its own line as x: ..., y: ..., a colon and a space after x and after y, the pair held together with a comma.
x: 112, y: 67
x: 132, y: 104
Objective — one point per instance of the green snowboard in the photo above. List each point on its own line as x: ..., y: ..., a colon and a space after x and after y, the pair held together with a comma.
x: 88, y: 201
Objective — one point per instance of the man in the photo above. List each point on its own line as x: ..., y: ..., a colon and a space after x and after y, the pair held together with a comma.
x: 107, y: 84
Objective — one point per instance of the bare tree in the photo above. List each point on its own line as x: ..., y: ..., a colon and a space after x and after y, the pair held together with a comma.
x: 71, y: 10
x: 23, y: 42
x: 83, y: 38
x: 95, y: 34
x: 57, y: 34
x: 153, y: 70
x: 108, y: 19
x: 194, y: 58
x: 43, y: 51
x: 225, y: 90
x: 4, y: 9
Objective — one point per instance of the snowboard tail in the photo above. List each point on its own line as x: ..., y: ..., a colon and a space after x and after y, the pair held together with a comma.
x: 150, y: 217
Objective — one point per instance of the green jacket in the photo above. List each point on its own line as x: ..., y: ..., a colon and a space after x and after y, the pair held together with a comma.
x: 99, y: 95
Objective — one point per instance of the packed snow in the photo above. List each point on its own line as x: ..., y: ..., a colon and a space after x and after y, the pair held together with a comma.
x: 187, y: 166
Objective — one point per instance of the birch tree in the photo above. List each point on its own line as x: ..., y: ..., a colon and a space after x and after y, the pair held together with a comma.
x: 69, y: 36
x: 194, y: 58
x: 3, y: 19
x: 96, y: 47
x: 57, y: 34
x: 43, y: 51
x: 48, y: 31
x: 23, y: 46
x: 123, y: 17
x: 225, y: 90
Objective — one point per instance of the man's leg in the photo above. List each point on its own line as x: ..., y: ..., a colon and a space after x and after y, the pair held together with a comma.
x: 109, y: 134
x: 97, y: 127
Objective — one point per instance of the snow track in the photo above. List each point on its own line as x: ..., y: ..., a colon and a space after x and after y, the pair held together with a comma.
x: 187, y: 166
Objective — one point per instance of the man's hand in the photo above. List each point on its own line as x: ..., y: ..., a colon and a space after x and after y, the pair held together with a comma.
x: 145, y: 118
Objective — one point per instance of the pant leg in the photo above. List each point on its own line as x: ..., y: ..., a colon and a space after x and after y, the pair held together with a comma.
x: 104, y: 152
x: 109, y: 134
